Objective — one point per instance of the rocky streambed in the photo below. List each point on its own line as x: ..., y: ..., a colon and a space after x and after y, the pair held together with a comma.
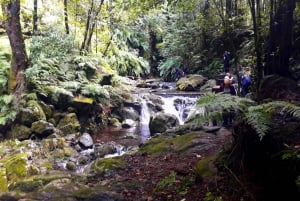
x: 125, y: 161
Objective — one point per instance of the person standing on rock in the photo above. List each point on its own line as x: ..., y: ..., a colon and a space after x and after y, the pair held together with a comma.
x: 226, y: 61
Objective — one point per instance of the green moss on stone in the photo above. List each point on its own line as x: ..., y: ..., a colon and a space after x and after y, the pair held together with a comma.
x: 15, y: 166
x: 26, y: 185
x: 205, y: 168
x: 69, y: 124
x: 19, y: 132
x: 3, y: 180
x: 162, y: 144
x: 101, y: 166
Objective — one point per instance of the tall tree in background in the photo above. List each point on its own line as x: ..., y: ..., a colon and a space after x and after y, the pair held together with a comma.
x: 255, y: 9
x: 19, y: 62
x: 92, y: 17
x: 66, y: 16
x: 35, y: 17
x: 280, y: 37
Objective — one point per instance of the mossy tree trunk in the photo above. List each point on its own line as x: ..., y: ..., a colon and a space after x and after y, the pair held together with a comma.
x: 19, y: 61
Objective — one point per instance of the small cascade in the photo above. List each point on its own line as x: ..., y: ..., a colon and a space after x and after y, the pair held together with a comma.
x: 180, y: 106
x: 144, y: 121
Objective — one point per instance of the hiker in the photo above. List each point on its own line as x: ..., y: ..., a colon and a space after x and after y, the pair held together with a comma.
x: 228, y: 88
x: 226, y: 61
x: 178, y: 73
x: 227, y: 85
x: 246, y: 82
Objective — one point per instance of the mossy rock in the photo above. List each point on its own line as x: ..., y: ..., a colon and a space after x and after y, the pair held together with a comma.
x: 16, y: 167
x: 33, y: 112
x: 205, y: 168
x: 20, y: 132
x: 69, y: 124
x: 48, y: 109
x: 3, y: 180
x: 102, y: 166
x: 26, y: 185
x: 191, y: 82
x: 42, y: 128
x: 161, y: 144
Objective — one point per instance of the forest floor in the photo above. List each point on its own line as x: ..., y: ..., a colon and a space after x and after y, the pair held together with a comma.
x: 173, y: 177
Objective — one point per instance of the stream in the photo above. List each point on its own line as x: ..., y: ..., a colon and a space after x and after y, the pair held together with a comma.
x: 174, y: 102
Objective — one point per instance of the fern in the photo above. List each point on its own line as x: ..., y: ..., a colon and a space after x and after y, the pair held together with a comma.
x: 220, y: 103
x: 95, y: 90
x: 8, y: 110
x: 259, y: 117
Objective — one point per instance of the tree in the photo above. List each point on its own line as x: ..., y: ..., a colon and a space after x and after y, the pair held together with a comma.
x: 35, y: 17
x: 19, y: 62
x: 255, y: 9
x: 66, y: 16
x: 93, y: 14
x: 280, y: 40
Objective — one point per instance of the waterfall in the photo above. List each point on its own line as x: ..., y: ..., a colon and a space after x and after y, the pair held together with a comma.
x: 180, y: 106
x: 144, y: 121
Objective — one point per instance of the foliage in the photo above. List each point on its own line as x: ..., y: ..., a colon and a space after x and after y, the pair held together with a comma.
x: 212, y: 70
x: 165, y: 182
x: 167, y: 68
x: 8, y: 110
x: 51, y: 44
x: 259, y: 117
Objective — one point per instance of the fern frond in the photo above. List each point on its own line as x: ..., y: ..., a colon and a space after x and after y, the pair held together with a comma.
x: 95, y: 90
x: 261, y: 117
x: 213, y: 102
x: 212, y: 106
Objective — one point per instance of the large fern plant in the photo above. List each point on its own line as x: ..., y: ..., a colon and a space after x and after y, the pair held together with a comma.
x: 261, y: 117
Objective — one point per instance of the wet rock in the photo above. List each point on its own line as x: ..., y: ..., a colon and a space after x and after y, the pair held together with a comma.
x: 128, y: 123
x: 42, y: 128
x: 104, y: 149
x: 86, y: 141
x: 160, y: 122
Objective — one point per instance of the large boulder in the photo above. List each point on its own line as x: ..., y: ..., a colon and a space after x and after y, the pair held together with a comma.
x: 69, y: 124
x: 160, y: 122
x: 31, y: 113
x: 191, y: 82
x: 42, y: 128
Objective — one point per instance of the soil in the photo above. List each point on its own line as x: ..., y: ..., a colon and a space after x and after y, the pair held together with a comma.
x: 173, y: 177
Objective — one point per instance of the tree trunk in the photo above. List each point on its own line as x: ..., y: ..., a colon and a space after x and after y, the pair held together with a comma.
x: 258, y: 69
x: 66, y: 16
x: 35, y: 17
x: 280, y: 39
x: 87, y: 29
x: 19, y: 57
x: 94, y: 21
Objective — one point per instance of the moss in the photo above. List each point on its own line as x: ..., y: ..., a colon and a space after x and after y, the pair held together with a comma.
x: 69, y: 124
x: 19, y: 132
x: 37, y: 109
x: 102, y: 166
x: 12, y: 81
x: 82, y: 99
x: 205, y: 168
x: 48, y: 165
x: 156, y: 145
x: 15, y: 166
x: 3, y: 180
x: 182, y: 142
x: 83, y: 193
x: 26, y: 185
x: 71, y: 165
x: 162, y: 144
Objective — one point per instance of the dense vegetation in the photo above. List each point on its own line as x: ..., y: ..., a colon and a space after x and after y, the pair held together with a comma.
x: 75, y: 51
